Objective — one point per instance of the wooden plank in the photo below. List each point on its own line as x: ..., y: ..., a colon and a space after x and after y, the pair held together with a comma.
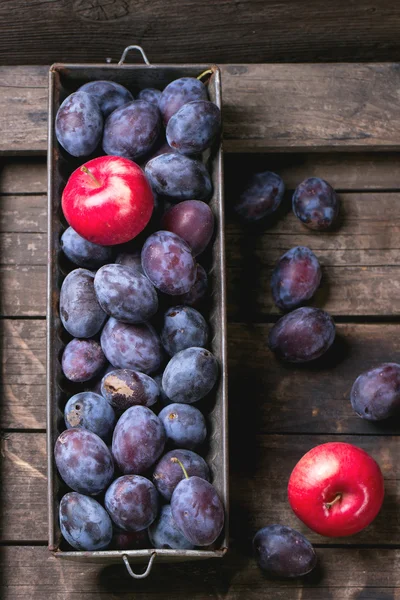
x: 267, y: 107
x: 266, y: 31
x: 345, y: 171
x: 285, y: 398
x: 33, y: 571
x: 24, y: 487
x: 23, y: 176
x: 22, y: 214
x: 259, y: 463
x: 23, y: 379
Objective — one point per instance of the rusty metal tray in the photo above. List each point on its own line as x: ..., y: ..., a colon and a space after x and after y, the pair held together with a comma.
x: 64, y: 79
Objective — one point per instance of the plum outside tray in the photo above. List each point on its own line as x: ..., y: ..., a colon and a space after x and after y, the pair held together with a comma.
x: 63, y: 80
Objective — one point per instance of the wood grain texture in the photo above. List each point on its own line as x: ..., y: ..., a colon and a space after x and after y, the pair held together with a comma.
x: 267, y: 107
x: 33, y: 571
x: 247, y: 31
x: 258, y: 483
x: 24, y: 487
x: 23, y: 379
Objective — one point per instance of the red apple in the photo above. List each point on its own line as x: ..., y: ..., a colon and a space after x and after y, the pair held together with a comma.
x: 336, y: 489
x: 108, y: 200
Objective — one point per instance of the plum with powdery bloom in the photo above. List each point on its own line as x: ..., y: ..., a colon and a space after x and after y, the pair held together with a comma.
x: 83, y: 461
x: 90, y: 411
x: 136, y: 347
x: 84, y: 253
x: 190, y: 375
x: 168, y: 262
x: 302, y: 335
x: 84, y: 523
x: 79, y: 124
x: 179, y: 177
x: 82, y: 360
x: 315, y: 203
x: 138, y: 440
x: 80, y: 312
x: 125, y: 294
x: 132, y: 502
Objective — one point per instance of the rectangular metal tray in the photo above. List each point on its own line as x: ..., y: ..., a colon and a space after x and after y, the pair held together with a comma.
x: 64, y: 79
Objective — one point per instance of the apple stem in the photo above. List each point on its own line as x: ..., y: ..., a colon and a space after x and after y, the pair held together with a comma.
x: 176, y: 460
x: 87, y: 172
x: 336, y: 499
x: 208, y: 72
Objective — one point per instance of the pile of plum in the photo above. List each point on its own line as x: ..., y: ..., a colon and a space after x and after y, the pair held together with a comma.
x: 137, y: 356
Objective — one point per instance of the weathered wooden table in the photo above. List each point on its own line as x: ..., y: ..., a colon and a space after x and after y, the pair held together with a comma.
x: 340, y: 122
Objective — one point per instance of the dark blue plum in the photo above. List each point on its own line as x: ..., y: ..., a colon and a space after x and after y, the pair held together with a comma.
x: 375, y: 394
x: 283, y: 552
x: 295, y: 278
x: 82, y: 360
x: 136, y: 347
x: 194, y: 127
x: 90, y: 411
x: 109, y: 95
x: 198, y: 292
x: 183, y: 327
x: 80, y: 312
x: 124, y: 388
x: 261, y: 197
x: 168, y: 262
x: 84, y: 523
x: 180, y: 92
x: 168, y: 473
x: 150, y: 95
x: 179, y: 177
x: 197, y: 511
x: 125, y: 294
x: 84, y: 253
x: 184, y: 425
x: 190, y: 375
x: 79, y: 124
x: 138, y: 440
x: 83, y: 461
x: 302, y: 335
x: 131, y: 259
x: 193, y: 221
x: 131, y: 131
x: 163, y: 532
x: 132, y: 502
x: 315, y: 203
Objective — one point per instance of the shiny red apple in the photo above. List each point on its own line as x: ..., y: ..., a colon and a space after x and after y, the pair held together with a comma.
x: 336, y: 489
x: 108, y: 200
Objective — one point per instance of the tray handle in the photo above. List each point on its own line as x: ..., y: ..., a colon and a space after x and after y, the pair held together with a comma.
x: 128, y: 49
x: 139, y: 575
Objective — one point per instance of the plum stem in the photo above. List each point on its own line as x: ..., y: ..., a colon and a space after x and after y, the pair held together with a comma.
x: 176, y: 460
x: 204, y: 73
x: 336, y: 499
x: 87, y: 172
